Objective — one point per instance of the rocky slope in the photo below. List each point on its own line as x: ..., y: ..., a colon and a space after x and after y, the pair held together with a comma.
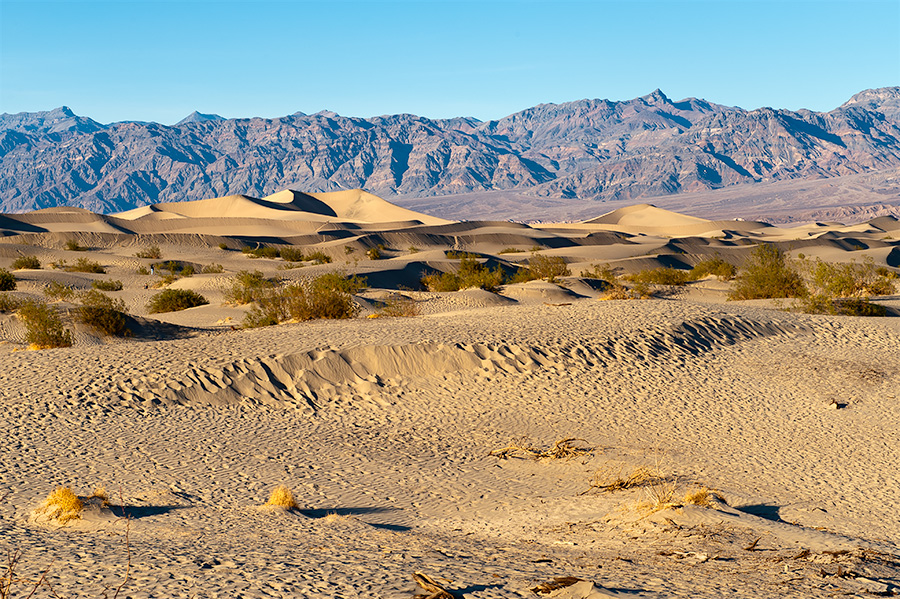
x: 589, y: 149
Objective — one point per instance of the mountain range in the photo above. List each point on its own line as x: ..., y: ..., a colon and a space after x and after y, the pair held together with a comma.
x: 598, y: 150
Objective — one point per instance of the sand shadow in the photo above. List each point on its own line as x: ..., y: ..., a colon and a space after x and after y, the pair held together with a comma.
x: 136, y: 512
x: 762, y: 510
x: 316, y: 513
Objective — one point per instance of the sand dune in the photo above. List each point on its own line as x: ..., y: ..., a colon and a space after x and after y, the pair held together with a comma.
x: 384, y: 427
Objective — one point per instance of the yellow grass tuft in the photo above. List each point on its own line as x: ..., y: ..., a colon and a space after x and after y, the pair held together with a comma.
x: 563, y: 449
x: 703, y: 497
x: 607, y: 481
x: 62, y: 505
x: 282, y: 497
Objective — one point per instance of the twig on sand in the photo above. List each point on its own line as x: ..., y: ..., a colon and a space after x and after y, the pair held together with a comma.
x: 564, y: 449
x: 435, y: 590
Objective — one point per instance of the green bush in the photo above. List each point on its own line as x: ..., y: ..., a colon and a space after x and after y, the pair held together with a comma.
x: 292, y: 254
x: 43, y: 326
x: 107, y: 285
x: 85, y: 265
x: 767, y: 274
x: 724, y: 271
x: 29, y: 262
x: 9, y: 303
x: 373, y: 253
x: 660, y: 276
x: 851, y: 306
x: 601, y: 272
x: 510, y: 251
x: 165, y: 280
x: 326, y: 296
x: 102, y: 313
x: 471, y: 274
x: 223, y: 246
x: 73, y: 246
x: 413, y: 249
x: 187, y: 271
x: 248, y: 286
x: 152, y: 252
x: 851, y: 279
x: 142, y: 270
x: 319, y: 257
x: 262, y: 251
x: 7, y: 280
x: 548, y: 267
x: 173, y: 300
x: 213, y: 269
x: 58, y: 291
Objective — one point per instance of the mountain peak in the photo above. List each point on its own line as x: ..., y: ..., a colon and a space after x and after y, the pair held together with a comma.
x: 656, y: 97
x: 199, y: 117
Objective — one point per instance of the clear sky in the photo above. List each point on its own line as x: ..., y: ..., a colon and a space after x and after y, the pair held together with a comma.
x: 160, y: 60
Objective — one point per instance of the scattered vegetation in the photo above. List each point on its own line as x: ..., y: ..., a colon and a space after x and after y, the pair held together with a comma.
x: 602, y: 272
x: 471, y: 273
x: 248, y: 286
x: 608, y: 480
x: 510, y: 251
x: 724, y: 271
x: 110, y: 285
x: 85, y: 265
x: 282, y: 496
x: 7, y: 280
x: 563, y: 449
x: 9, y: 303
x: 660, y: 276
x: 57, y: 291
x: 262, y: 251
x: 73, y: 246
x: 413, y: 249
x: 327, y: 296
x: 767, y: 274
x: 319, y: 257
x: 173, y: 300
x: 542, y: 267
x: 165, y: 280
x: 399, y: 307
x: 153, y: 252
x: 223, y: 246
x: 26, y: 262
x: 292, y: 254
x: 43, y: 326
x: 102, y: 313
x: 213, y: 268
x: 373, y: 253
x: 142, y: 270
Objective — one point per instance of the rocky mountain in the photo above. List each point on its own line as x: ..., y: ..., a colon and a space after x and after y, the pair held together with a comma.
x: 588, y: 149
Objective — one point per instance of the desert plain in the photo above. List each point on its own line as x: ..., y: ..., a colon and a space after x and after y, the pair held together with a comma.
x: 756, y: 447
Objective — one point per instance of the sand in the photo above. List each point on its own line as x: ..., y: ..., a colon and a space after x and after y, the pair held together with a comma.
x: 383, y: 427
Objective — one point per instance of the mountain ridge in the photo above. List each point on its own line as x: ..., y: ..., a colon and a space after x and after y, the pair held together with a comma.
x: 590, y: 149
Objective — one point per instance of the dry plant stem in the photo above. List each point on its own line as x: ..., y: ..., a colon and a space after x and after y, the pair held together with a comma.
x: 435, y: 590
x: 564, y: 449
x: 127, y: 544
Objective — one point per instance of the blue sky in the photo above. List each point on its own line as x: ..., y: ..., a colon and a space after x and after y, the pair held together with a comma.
x: 160, y: 60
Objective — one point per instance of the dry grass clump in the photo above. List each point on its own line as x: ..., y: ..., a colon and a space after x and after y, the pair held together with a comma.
x: 606, y: 480
x: 662, y: 497
x: 62, y: 505
x: 563, y: 449
x: 282, y: 496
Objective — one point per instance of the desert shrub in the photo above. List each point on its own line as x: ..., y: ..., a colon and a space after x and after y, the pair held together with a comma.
x: 223, y: 246
x: 338, y: 281
x: 818, y: 303
x: 602, y: 272
x: 660, y: 276
x: 247, y: 286
x: 102, y: 313
x: 262, y: 251
x: 142, y: 270
x: 173, y: 300
x: 7, y: 280
x: 165, y: 280
x: 471, y: 273
x: 327, y: 296
x: 399, y: 307
x: 319, y: 257
x: 9, y: 303
x: 110, y: 285
x: 638, y: 291
x: 851, y: 279
x: 724, y: 271
x: 29, y: 262
x: 767, y: 274
x: 152, y: 252
x: 548, y: 267
x: 373, y: 253
x: 73, y: 246
x: 523, y: 275
x: 58, y: 291
x: 292, y: 254
x: 187, y: 271
x: 458, y: 255
x: 413, y: 249
x: 282, y: 497
x: 510, y: 251
x: 85, y: 265
x: 43, y: 326
x: 213, y: 269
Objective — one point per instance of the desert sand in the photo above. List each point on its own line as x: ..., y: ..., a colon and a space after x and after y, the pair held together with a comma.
x: 387, y: 429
